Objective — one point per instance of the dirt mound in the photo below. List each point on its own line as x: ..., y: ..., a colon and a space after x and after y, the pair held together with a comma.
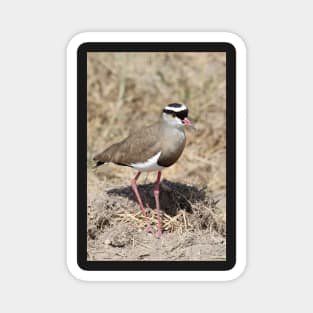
x: 193, y: 222
x: 127, y: 91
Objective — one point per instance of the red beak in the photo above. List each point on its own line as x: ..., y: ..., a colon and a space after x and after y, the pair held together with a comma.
x: 186, y: 121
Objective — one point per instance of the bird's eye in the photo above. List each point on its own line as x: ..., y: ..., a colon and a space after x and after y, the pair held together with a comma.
x: 174, y: 114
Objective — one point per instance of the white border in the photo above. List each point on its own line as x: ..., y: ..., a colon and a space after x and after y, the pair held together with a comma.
x: 239, y: 45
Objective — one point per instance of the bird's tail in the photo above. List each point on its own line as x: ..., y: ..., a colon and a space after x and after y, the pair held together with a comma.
x: 101, y: 159
x: 98, y: 163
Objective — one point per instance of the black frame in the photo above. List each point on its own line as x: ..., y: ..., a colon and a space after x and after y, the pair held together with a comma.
x: 230, y: 155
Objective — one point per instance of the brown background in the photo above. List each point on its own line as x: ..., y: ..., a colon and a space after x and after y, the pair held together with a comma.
x: 127, y: 91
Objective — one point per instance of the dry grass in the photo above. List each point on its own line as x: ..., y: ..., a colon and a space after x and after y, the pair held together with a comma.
x: 185, y: 208
x: 127, y: 91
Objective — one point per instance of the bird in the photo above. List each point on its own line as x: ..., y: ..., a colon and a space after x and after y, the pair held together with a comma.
x: 151, y: 148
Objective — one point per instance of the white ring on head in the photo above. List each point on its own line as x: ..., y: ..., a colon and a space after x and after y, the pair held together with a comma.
x: 181, y: 108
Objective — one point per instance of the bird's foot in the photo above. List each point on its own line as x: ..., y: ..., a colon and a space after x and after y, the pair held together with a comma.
x: 148, y: 229
x: 158, y: 234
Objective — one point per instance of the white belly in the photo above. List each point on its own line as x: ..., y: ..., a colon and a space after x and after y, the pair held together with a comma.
x: 149, y: 165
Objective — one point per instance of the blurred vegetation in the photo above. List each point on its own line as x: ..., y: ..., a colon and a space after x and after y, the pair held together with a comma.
x: 128, y: 90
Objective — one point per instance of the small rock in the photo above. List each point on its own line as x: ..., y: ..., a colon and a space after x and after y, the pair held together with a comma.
x: 102, y: 221
x: 117, y: 242
x: 92, y: 232
x: 120, y: 240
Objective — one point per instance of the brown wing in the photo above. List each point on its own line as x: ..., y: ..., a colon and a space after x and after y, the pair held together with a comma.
x: 138, y: 147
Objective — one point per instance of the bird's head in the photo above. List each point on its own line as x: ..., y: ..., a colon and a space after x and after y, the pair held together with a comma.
x: 176, y: 115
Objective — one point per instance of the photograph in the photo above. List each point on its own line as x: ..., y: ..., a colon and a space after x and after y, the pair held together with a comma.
x: 156, y: 156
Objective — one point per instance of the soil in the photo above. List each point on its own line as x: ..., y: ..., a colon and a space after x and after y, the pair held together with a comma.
x: 127, y: 91
x: 193, y: 224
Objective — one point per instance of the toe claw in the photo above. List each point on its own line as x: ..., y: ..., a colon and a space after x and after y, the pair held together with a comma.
x: 158, y: 234
x: 148, y: 229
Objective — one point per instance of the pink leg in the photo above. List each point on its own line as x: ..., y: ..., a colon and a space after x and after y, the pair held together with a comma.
x: 156, y: 195
x: 134, y: 186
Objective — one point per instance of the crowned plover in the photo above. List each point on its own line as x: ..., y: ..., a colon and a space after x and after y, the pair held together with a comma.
x: 151, y: 148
